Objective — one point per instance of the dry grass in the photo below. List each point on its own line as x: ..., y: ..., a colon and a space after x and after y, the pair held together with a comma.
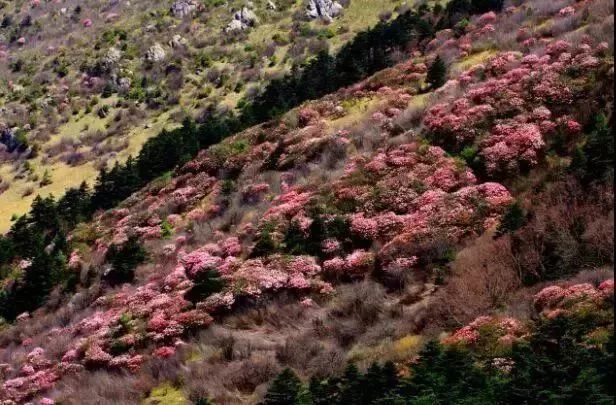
x: 484, y: 277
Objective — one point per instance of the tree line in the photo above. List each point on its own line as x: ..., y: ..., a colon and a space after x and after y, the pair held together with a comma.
x: 555, y: 366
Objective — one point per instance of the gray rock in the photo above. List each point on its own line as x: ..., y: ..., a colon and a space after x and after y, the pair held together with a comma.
x: 112, y: 57
x: 9, y: 140
x: 184, y: 8
x: 156, y: 53
x: 124, y: 83
x: 242, y: 20
x: 177, y: 41
x: 323, y: 9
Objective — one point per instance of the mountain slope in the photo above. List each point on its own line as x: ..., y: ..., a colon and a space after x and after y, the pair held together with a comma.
x: 355, y: 228
x: 82, y: 86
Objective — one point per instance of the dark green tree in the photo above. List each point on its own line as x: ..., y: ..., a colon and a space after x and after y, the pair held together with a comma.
x: 437, y: 73
x: 594, y: 162
x: 285, y: 390
x: 205, y: 283
x: 74, y: 206
x: 123, y: 261
x: 513, y: 219
x: 351, y: 383
x: 324, y: 392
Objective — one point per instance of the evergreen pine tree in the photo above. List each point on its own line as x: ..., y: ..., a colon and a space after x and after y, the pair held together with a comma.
x: 285, y: 390
x: 44, y: 216
x: 351, y: 391
x: 390, y: 376
x: 324, y: 392
x: 205, y: 283
x: 436, y: 73
x: 74, y: 206
x: 124, y: 260
x: 598, y: 161
x: 101, y: 196
x: 512, y: 220
x: 373, y: 384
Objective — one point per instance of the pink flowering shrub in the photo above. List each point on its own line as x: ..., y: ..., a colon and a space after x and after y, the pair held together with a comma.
x: 366, y: 228
x: 504, y: 331
x: 357, y: 264
x: 231, y: 246
x: 288, y: 204
x: 508, y: 146
x: 566, y: 11
x: 164, y: 352
x: 74, y: 261
x: 556, y: 299
x: 128, y: 362
x: 198, y: 261
x: 254, y: 192
x: 95, y: 356
x: 22, y: 388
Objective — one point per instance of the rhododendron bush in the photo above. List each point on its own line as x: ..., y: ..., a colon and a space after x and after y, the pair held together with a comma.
x: 551, y: 302
x: 528, y: 88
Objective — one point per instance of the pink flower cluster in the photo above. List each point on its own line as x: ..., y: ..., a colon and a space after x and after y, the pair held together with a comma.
x: 273, y: 273
x: 358, y: 263
x: 508, y: 145
x: 566, y: 11
x: 506, y: 331
x: 37, y: 374
x: 556, y: 297
x: 516, y: 85
x: 254, y: 192
x: 288, y: 204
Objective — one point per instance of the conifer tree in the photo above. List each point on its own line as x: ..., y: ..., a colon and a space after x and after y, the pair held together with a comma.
x: 436, y: 73
x: 351, y: 392
x: 124, y: 260
x: 205, y: 283
x: 285, y: 389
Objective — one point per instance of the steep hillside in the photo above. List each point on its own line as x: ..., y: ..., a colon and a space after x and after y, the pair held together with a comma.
x: 438, y: 232
x: 86, y: 83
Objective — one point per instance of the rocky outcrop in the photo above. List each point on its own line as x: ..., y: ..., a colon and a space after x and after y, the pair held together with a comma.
x: 323, y: 9
x: 112, y: 58
x: 177, y: 41
x: 242, y: 20
x: 156, y: 53
x: 184, y: 8
x: 9, y: 142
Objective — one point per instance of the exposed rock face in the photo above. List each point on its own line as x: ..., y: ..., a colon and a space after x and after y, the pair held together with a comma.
x: 177, y: 41
x: 9, y: 140
x: 184, y: 8
x: 112, y: 57
x: 156, y: 53
x: 124, y: 83
x: 323, y: 9
x: 243, y: 19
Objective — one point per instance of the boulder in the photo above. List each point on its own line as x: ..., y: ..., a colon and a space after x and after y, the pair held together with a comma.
x: 124, y: 84
x: 10, y: 141
x: 323, y: 9
x: 156, y: 53
x: 112, y: 57
x: 177, y: 41
x: 184, y: 8
x: 242, y: 20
